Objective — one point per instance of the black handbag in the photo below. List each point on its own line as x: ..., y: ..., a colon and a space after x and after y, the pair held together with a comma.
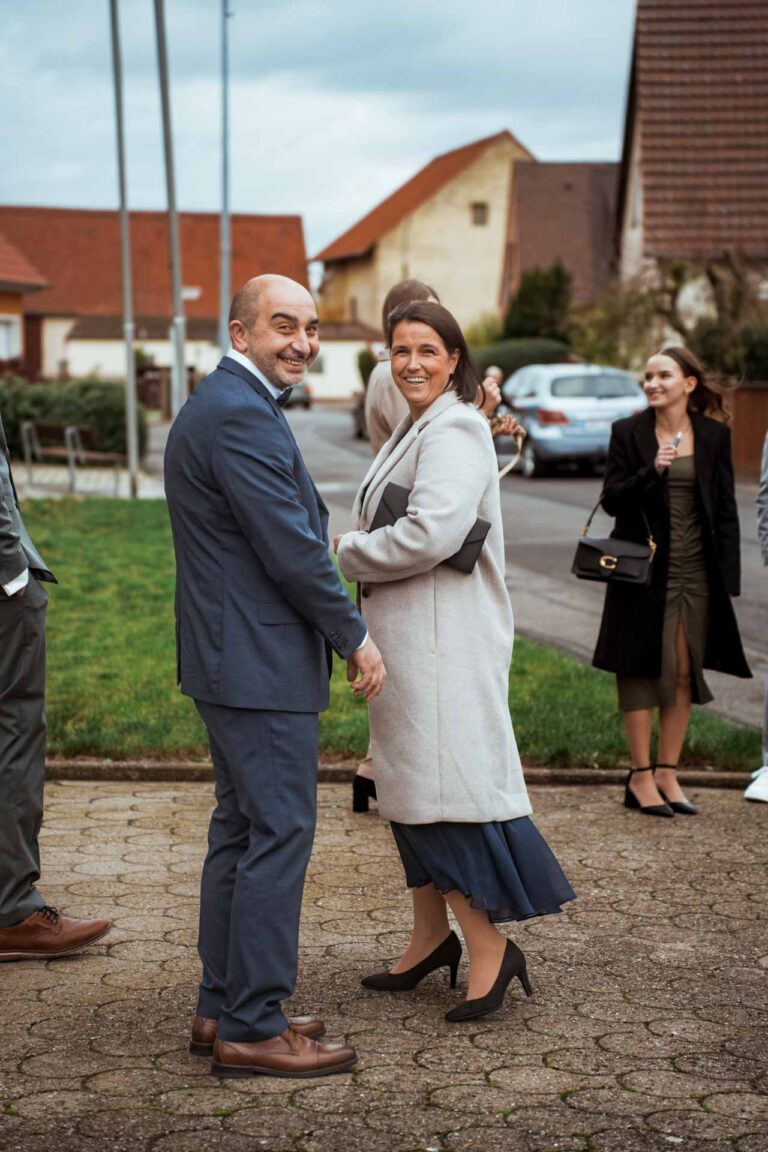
x: 394, y: 505
x: 614, y: 561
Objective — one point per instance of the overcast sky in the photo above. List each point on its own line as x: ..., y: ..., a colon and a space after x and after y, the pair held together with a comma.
x: 334, y: 103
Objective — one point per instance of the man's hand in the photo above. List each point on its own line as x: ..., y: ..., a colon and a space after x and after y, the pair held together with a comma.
x: 336, y: 543
x: 368, y: 663
x: 506, y: 426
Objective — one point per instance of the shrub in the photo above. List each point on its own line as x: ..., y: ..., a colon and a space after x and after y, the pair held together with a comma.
x: 366, y: 362
x: 621, y: 327
x: 485, y: 330
x: 541, y: 305
x: 89, y: 403
x: 513, y: 354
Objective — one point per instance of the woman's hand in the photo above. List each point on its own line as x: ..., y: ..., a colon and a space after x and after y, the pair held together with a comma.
x: 336, y: 543
x: 506, y: 426
x: 488, y: 396
x: 664, y: 457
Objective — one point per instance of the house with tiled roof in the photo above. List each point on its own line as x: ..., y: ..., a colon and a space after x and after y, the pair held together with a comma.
x: 694, y: 174
x: 73, y: 322
x: 448, y: 225
x: 18, y: 278
x: 565, y: 213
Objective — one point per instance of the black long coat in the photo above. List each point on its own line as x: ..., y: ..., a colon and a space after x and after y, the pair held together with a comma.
x: 629, y: 643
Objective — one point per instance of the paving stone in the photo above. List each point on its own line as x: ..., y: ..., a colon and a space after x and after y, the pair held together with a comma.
x: 646, y: 1028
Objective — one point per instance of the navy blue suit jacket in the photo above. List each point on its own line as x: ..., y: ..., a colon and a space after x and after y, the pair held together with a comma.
x: 258, y: 599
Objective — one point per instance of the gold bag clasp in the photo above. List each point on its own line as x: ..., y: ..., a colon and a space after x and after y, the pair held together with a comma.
x: 609, y: 563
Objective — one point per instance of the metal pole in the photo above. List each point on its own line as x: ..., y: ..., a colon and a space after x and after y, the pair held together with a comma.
x: 131, y: 423
x: 178, y: 326
x: 226, y: 245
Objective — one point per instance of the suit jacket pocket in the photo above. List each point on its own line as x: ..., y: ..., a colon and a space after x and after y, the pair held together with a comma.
x: 278, y: 612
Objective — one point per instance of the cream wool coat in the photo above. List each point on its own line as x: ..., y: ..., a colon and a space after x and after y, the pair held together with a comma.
x: 442, y: 739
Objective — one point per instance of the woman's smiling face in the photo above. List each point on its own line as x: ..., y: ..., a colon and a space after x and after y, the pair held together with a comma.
x: 421, y: 364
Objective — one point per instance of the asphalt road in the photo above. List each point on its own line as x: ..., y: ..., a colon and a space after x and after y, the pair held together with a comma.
x: 542, y: 520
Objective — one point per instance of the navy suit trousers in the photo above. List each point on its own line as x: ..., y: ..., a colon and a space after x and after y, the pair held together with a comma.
x: 259, y: 843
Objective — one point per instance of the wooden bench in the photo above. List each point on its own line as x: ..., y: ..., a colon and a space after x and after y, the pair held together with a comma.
x: 47, y: 440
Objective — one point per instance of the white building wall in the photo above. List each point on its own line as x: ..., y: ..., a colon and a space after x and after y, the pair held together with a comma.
x: 55, y: 351
x: 339, y: 378
x: 106, y: 358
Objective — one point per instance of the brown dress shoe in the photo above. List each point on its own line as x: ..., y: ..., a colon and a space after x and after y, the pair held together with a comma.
x: 288, y: 1054
x: 204, y: 1032
x: 46, y: 933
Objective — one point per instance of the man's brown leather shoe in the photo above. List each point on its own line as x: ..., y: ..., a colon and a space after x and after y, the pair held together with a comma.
x: 46, y: 933
x: 204, y: 1032
x: 288, y: 1054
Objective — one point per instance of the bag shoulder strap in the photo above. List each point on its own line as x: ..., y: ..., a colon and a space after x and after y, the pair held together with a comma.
x: 588, y: 525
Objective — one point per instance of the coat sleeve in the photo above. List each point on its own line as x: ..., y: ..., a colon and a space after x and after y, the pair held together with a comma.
x: 762, y: 504
x: 624, y: 487
x: 253, y: 463
x: 452, y: 473
x: 726, y: 518
x: 12, y: 559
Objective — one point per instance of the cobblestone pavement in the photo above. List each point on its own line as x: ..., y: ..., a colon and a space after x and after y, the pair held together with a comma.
x: 644, y: 1032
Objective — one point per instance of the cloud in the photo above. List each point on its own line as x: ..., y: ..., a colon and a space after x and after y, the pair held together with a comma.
x: 333, y: 104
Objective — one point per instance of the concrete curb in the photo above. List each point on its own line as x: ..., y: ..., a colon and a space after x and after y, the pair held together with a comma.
x: 191, y: 771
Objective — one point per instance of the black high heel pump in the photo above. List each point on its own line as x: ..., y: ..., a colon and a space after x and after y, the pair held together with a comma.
x: 684, y: 807
x: 446, y: 955
x: 512, y: 964
x: 363, y: 790
x: 631, y: 801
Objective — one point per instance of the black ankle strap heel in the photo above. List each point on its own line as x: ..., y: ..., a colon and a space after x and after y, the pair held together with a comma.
x: 682, y: 807
x: 631, y: 801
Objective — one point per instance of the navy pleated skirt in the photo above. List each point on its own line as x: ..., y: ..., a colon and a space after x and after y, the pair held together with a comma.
x: 506, y: 868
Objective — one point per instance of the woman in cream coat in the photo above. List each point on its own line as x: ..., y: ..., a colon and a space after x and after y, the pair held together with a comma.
x: 447, y: 768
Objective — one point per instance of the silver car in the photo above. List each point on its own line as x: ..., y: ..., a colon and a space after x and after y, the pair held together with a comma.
x: 567, y: 411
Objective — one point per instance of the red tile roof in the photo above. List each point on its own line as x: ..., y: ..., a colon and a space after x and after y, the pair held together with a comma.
x: 361, y: 237
x: 566, y: 212
x: 16, y: 272
x: 699, y: 97
x: 78, y: 252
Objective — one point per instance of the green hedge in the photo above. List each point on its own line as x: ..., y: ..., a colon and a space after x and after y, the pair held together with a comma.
x: 513, y: 354
x: 89, y: 403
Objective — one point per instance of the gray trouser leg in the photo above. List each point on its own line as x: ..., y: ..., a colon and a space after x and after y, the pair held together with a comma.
x: 22, y: 750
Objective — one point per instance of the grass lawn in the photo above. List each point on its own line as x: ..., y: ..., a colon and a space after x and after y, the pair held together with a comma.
x: 111, y: 660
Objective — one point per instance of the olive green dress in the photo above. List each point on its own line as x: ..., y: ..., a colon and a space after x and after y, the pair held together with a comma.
x: 687, y: 597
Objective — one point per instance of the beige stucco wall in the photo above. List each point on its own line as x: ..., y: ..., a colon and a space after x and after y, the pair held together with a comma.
x: 438, y: 243
x: 632, y: 262
x: 54, y: 344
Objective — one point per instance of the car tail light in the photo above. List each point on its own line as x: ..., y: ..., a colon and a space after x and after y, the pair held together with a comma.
x: 551, y: 416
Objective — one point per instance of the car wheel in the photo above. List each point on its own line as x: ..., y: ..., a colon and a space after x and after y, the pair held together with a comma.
x: 586, y: 467
x: 530, y: 465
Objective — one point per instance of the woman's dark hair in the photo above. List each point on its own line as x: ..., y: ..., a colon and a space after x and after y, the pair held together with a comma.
x: 465, y: 379
x: 706, y: 397
x: 404, y: 293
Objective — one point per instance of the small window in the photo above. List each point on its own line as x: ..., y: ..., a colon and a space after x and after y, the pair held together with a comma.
x: 10, y: 337
x: 317, y: 365
x: 479, y: 211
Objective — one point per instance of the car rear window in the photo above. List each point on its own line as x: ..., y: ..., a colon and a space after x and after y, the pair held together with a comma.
x: 603, y: 387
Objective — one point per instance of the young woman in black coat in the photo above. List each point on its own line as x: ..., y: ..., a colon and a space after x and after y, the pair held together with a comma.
x: 673, y: 463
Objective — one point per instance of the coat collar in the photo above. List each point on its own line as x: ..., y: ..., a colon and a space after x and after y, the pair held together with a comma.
x: 400, y: 441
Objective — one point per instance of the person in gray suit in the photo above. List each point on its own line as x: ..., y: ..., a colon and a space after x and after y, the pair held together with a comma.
x: 29, y: 928
x: 259, y: 607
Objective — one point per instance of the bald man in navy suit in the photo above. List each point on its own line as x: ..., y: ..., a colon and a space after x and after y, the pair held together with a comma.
x: 259, y: 610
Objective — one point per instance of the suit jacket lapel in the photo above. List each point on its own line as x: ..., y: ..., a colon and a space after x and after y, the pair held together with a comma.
x: 229, y: 365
